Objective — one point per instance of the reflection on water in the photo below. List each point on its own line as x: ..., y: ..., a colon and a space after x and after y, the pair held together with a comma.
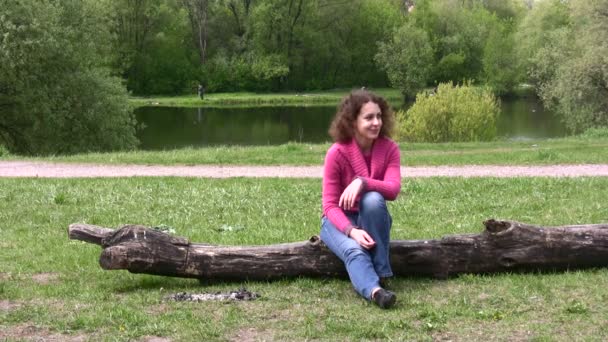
x: 168, y: 127
x: 526, y: 118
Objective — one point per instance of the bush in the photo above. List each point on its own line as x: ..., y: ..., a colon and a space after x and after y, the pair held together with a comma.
x: 454, y: 113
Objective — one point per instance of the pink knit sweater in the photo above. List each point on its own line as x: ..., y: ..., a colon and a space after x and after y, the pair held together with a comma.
x: 344, y: 162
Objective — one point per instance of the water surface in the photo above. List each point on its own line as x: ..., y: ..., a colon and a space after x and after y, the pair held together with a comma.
x: 170, y: 127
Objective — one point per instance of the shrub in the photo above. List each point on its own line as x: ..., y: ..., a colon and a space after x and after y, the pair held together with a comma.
x: 591, y: 133
x: 3, y: 151
x: 453, y: 113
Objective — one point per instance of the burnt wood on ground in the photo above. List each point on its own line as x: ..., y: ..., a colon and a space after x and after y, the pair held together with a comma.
x: 502, y: 246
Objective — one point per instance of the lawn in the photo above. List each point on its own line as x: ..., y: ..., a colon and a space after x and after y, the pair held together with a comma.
x: 53, y: 287
x: 323, y: 97
x: 572, y: 150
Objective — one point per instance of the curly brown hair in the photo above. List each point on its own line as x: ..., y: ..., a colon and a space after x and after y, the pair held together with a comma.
x: 341, y: 128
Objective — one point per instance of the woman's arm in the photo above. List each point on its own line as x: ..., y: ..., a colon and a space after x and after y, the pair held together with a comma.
x: 390, y: 186
x: 332, y: 190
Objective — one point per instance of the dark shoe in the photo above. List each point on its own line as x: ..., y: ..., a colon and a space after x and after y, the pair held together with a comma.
x: 385, y: 282
x: 384, y: 298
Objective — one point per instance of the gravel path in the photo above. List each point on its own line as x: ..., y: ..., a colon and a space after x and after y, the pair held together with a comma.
x: 69, y: 170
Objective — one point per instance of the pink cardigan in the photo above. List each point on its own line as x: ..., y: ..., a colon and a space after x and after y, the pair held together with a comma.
x: 345, y: 162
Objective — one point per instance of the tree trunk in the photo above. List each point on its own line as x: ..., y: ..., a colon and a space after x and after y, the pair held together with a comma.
x: 502, y: 246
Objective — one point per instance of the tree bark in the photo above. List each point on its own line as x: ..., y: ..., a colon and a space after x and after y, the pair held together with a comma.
x: 502, y: 246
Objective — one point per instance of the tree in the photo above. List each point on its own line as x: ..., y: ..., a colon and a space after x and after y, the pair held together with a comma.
x: 567, y: 58
x: 197, y: 13
x: 537, y: 31
x: 355, y: 33
x: 501, y: 70
x: 278, y: 27
x: 133, y: 23
x: 407, y: 59
x: 504, y: 9
x: 56, y: 92
x: 233, y: 45
x: 151, y: 51
x: 469, y: 39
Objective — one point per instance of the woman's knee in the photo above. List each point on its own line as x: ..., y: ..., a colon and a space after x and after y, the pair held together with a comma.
x: 372, y: 201
x: 353, y: 253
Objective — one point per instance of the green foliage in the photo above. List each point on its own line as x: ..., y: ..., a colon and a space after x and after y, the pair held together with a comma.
x: 324, y: 44
x: 501, y: 70
x: 595, y: 133
x: 248, y: 71
x: 152, y: 46
x: 452, y: 41
x: 266, y: 45
x: 451, y: 67
x: 578, y: 91
x: 459, y: 37
x: 268, y: 68
x: 166, y: 69
x: 407, y: 59
x: 535, y: 33
x: 564, y: 50
x: 454, y: 113
x: 167, y: 47
x: 56, y: 93
x: 503, y: 9
x: 4, y: 152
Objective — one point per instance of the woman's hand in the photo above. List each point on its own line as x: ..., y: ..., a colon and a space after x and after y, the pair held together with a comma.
x: 348, y: 197
x: 362, y: 238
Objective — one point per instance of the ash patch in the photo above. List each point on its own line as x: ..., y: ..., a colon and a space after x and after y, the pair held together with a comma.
x: 241, y: 294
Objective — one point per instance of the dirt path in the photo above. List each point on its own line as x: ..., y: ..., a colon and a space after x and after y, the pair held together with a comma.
x: 68, y: 170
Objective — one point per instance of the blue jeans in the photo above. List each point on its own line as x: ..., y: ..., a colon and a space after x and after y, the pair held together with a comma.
x: 364, y: 267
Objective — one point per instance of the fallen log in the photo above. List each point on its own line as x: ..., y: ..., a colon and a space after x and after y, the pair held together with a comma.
x: 502, y: 246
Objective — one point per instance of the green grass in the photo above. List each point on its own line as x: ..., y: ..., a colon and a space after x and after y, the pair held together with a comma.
x: 82, y: 300
x: 574, y: 150
x: 323, y: 97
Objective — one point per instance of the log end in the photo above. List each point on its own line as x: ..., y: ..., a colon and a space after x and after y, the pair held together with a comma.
x: 114, y: 258
x: 88, y: 233
x: 495, y: 226
x: 315, y: 240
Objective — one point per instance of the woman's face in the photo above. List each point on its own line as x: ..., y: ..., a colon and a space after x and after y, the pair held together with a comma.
x: 368, y: 123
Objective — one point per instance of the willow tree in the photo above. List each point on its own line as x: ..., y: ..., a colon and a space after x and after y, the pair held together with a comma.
x: 564, y: 49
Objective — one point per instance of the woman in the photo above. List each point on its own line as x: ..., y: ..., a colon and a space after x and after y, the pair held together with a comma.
x: 362, y: 171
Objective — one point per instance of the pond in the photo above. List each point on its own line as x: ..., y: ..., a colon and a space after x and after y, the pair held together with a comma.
x: 170, y: 127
